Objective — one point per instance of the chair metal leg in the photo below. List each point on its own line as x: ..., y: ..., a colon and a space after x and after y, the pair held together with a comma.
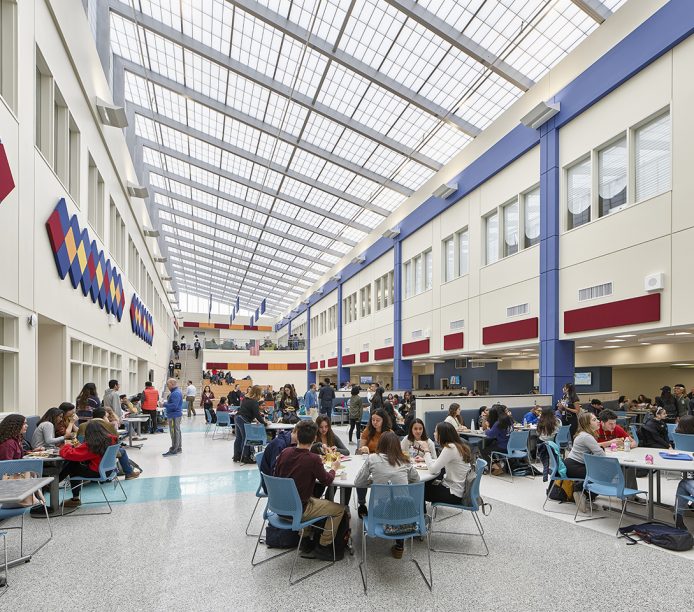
x: 320, y: 569
x: 363, y: 568
x: 590, y: 517
x: 429, y: 582
x: 479, y: 532
x: 248, y: 526
x: 21, y: 538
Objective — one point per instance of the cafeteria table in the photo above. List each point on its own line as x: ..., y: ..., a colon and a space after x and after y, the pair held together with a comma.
x: 139, y: 419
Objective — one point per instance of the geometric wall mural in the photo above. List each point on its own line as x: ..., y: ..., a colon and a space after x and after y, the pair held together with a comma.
x: 141, y: 320
x: 75, y: 254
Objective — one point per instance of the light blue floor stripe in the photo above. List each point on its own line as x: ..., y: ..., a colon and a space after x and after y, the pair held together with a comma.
x: 169, y: 488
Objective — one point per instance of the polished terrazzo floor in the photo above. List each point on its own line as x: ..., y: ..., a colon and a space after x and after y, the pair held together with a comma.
x: 179, y: 544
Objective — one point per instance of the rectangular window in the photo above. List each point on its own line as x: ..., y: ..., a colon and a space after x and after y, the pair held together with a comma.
x: 612, y: 177
x: 449, y: 259
x: 652, y: 158
x: 463, y: 253
x: 61, y: 137
x: 390, y: 290
x: 74, y: 160
x: 428, y: 270
x: 408, y: 274
x: 377, y: 293
x: 366, y: 301
x: 492, y: 237
x: 8, y: 52
x: 459, y: 324
x: 44, y: 108
x: 354, y: 306
x: 118, y: 235
x: 531, y: 218
x: 418, y: 274
x: 97, y: 204
x: 514, y: 311
x: 511, y: 221
x: 578, y: 194
x: 133, y: 263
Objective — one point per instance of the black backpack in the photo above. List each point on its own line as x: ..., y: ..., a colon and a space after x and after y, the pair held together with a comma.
x: 281, y: 538
x: 659, y: 534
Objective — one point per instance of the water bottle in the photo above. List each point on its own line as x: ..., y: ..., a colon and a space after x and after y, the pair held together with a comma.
x: 472, y: 425
x: 413, y: 452
x: 627, y: 445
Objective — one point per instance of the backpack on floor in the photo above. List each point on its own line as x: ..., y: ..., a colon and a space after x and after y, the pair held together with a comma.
x: 659, y: 534
x: 343, y: 537
x: 562, y: 491
x: 281, y: 538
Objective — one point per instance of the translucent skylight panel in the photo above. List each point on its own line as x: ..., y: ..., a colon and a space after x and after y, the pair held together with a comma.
x: 319, y: 198
x: 241, y: 135
x: 230, y: 207
x: 255, y: 44
x: 453, y: 12
x: 307, y: 164
x: 202, y: 118
x: 354, y: 147
x: 300, y: 67
x: 138, y: 90
x: 165, y: 57
x: 345, y: 209
x: 206, y: 77
x: 322, y: 132
x: 259, y: 217
x: 236, y: 165
x: 336, y: 176
x: 165, y: 215
x: 322, y: 241
x: 204, y: 214
x: 379, y: 109
x: 173, y: 139
x: 446, y: 142
x: 204, y: 151
x: 246, y: 96
x: 285, y: 208
x: 278, y: 225
x: 413, y: 175
x: 124, y: 39
x: 412, y: 127
x: 204, y: 177
x: 282, y: 153
x: 351, y: 233
x: 146, y: 128
x: 388, y: 199
x: 204, y: 197
x: 342, y: 89
x: 307, y: 216
x: 162, y: 10
x: 295, y: 188
x: 362, y: 188
x: 209, y: 22
x: 179, y: 188
x: 285, y: 115
x: 266, y: 249
x: 177, y: 166
x: 326, y: 23
x: 170, y: 104
x: 331, y: 226
x: 384, y: 161
x: 232, y: 188
x: 452, y: 78
x: 157, y: 181
x: 266, y: 177
x: 298, y: 232
x: 371, y: 30
x: 492, y: 97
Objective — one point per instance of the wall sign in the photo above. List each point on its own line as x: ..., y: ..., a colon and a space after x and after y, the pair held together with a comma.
x: 89, y: 269
x: 141, y: 321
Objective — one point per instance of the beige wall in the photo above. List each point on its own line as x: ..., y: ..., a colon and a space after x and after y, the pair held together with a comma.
x: 634, y: 381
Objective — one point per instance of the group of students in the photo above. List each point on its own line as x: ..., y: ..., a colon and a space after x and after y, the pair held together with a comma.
x: 388, y: 460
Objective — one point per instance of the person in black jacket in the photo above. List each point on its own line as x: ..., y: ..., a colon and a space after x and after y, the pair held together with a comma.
x: 248, y: 412
x: 377, y: 400
x: 667, y: 400
x: 234, y: 396
x: 654, y: 433
x: 326, y: 395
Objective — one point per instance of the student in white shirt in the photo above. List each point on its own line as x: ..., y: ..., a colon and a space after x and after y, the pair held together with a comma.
x: 190, y: 397
x: 418, y: 440
x: 456, y: 458
x: 454, y: 419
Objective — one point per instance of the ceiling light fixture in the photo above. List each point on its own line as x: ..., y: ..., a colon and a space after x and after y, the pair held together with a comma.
x: 445, y: 191
x: 110, y: 114
x: 626, y: 336
x: 615, y: 340
x: 337, y: 278
x: 359, y: 259
x: 137, y: 191
x: 160, y: 259
x: 679, y: 334
x: 150, y: 233
x: 584, y: 346
x: 540, y: 115
x: 391, y: 233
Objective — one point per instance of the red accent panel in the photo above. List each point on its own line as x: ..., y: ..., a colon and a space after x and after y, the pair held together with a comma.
x: 349, y: 359
x: 418, y: 347
x: 383, y: 353
x: 322, y: 363
x: 631, y: 311
x: 258, y: 366
x: 6, y: 180
x: 508, y: 332
x: 216, y: 365
x: 363, y: 356
x: 221, y: 326
x: 296, y: 366
x: 190, y: 324
x: 314, y: 365
x: 453, y: 341
x: 332, y: 362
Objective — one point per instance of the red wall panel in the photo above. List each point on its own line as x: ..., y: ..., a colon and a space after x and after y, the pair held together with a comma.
x: 296, y: 366
x: 348, y: 359
x: 322, y: 363
x: 314, y: 365
x: 453, y: 341
x: 258, y: 366
x: 332, y: 362
x: 508, y: 332
x: 418, y: 347
x: 363, y: 356
x: 632, y: 311
x: 383, y: 353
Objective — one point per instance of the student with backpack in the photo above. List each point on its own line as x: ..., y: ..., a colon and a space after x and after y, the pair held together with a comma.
x: 547, y: 427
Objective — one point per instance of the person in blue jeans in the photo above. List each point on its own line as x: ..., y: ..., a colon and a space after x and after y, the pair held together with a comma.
x: 686, y: 485
x: 174, y: 412
x: 248, y: 411
x: 326, y: 395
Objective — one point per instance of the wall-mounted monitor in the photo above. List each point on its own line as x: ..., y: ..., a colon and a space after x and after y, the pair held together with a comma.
x: 583, y: 378
x: 366, y: 380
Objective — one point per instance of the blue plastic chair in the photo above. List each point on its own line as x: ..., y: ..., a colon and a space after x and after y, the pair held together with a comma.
x: 554, y: 475
x: 604, y: 477
x: 517, y: 448
x: 19, y: 466
x: 395, y: 505
x: 563, y: 437
x: 223, y: 420
x: 208, y: 420
x: 683, y: 442
x: 473, y: 508
x: 284, y: 511
x: 305, y: 417
x: 635, y: 434
x: 108, y: 473
x: 260, y: 494
x: 671, y: 430
x: 255, y: 435
x: 365, y: 418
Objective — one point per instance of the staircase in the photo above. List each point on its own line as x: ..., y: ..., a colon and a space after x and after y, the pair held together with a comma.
x: 191, y: 369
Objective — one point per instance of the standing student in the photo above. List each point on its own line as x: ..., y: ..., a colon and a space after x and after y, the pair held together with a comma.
x: 174, y: 412
x: 310, y: 398
x: 455, y: 458
x: 326, y: 395
x: 388, y: 465
x: 248, y: 412
x: 171, y: 368
x: 112, y: 398
x: 196, y: 346
x: 206, y: 403
x: 150, y: 402
x: 86, y: 401
x: 356, y: 409
x: 377, y: 402
x: 570, y: 407
x: 234, y: 396
x: 191, y: 392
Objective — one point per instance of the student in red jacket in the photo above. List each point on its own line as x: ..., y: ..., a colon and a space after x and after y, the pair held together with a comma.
x: 96, y: 440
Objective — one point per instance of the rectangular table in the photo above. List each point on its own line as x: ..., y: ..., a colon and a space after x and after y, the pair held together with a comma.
x: 139, y: 419
x: 14, y: 491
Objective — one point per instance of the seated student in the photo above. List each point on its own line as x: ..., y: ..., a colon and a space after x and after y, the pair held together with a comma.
x: 127, y: 405
x: 533, y: 415
x: 389, y: 465
x: 223, y: 405
x: 274, y: 448
x: 417, y: 439
x: 454, y: 418
x: 395, y: 418
x: 379, y: 423
x: 584, y: 442
x: 305, y: 468
x: 327, y: 437
x: 112, y: 417
x: 84, y: 460
x: 100, y: 415
x: 500, y: 427
x: 45, y: 432
x: 596, y: 407
x: 67, y: 426
x: 547, y: 427
x: 12, y: 430
x: 482, y: 418
x: 654, y: 431
x: 686, y: 485
x: 456, y: 459
x: 609, y: 430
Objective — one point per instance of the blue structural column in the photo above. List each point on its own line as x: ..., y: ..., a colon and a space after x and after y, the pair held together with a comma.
x: 402, y: 368
x: 310, y: 376
x: 342, y: 373
x: 556, y: 356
